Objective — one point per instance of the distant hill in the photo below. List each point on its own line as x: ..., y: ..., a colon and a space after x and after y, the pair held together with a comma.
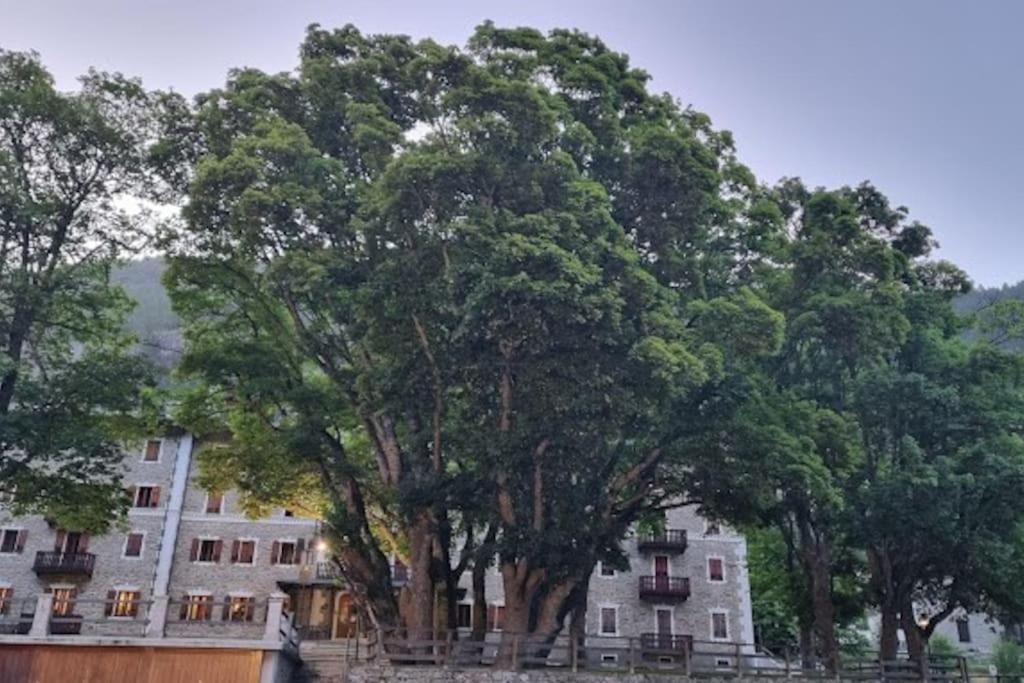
x: 984, y: 295
x: 152, y: 321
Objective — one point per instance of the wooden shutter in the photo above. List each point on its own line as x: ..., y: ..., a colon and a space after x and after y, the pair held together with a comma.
x: 19, y: 544
x: 58, y: 541
x: 154, y: 497
x: 183, y: 614
x: 275, y: 551
x: 234, y: 551
x: 83, y: 543
x: 109, y: 609
x: 299, y: 546
x: 194, y: 553
x: 132, y: 493
x: 226, y: 614
x: 218, y: 546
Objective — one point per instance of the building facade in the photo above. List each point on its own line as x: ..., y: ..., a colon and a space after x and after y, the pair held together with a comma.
x: 191, y: 563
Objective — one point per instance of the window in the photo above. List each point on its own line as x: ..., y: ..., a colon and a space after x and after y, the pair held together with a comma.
x: 495, y: 617
x: 606, y: 570
x: 70, y: 542
x: 464, y: 615
x: 133, y: 544
x: 147, y: 496
x: 214, y: 503
x: 205, y: 550
x: 64, y: 601
x: 287, y: 552
x: 719, y: 625
x: 609, y: 621
x: 287, y: 513
x: 609, y: 659
x: 963, y: 629
x: 712, y: 529
x: 5, y: 598
x: 716, y: 569
x: 152, y: 452
x: 243, y: 552
x: 239, y: 608
x: 197, y: 607
x: 12, y: 540
x: 123, y: 603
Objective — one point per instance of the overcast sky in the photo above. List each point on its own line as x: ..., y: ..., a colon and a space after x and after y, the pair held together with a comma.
x: 925, y: 98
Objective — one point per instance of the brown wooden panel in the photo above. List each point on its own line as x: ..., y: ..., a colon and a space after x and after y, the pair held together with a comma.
x: 61, y: 664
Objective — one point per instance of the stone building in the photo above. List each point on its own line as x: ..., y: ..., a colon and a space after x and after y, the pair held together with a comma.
x: 189, y: 563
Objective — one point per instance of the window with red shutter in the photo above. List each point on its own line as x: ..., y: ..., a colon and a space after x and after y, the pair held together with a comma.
x: 152, y: 453
x: 133, y: 545
x: 716, y: 569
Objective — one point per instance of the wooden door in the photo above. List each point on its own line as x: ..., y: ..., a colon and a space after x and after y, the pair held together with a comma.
x: 346, y: 616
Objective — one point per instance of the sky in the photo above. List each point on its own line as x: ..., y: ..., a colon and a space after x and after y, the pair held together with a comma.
x: 923, y: 98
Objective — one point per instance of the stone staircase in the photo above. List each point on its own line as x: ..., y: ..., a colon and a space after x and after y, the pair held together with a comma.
x: 326, y: 661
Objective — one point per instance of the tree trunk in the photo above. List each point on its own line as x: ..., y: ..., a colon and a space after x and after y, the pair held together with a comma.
x: 916, y: 643
x: 420, y: 617
x: 818, y: 561
x: 889, y: 638
x: 521, y: 584
x: 807, y: 659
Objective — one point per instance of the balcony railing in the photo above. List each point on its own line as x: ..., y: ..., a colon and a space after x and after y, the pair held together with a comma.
x: 666, y: 588
x: 666, y: 641
x: 48, y: 562
x: 670, y: 540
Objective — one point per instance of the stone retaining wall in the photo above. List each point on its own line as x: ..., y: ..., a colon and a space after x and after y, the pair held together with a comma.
x: 370, y: 673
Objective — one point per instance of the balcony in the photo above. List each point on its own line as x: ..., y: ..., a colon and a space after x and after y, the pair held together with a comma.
x: 68, y: 625
x: 666, y: 589
x: 66, y: 564
x: 666, y: 643
x: 668, y: 541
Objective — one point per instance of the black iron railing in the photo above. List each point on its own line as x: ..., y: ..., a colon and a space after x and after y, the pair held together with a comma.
x: 670, y: 540
x: 664, y: 587
x: 52, y: 562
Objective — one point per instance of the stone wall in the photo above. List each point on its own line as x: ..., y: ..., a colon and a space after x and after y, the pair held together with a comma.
x: 385, y: 674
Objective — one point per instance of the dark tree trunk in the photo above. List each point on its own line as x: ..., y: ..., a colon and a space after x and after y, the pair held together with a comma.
x: 479, y: 599
x: 521, y: 585
x: 817, y: 558
x: 807, y: 658
x: 419, y: 618
x: 916, y: 643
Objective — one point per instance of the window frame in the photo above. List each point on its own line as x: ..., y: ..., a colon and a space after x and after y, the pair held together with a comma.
x: 133, y: 603
x: 600, y: 619
x: 459, y: 611
x: 149, y: 500
x: 294, y: 543
x: 6, y: 597
x: 707, y: 564
x: 206, y: 504
x: 255, y: 547
x: 213, y: 550
x: 601, y: 569
x: 671, y: 622
x: 15, y: 532
x: 159, y: 451
x: 249, y: 616
x: 712, y: 613
x: 194, y: 606
x: 963, y: 627
x: 142, y: 546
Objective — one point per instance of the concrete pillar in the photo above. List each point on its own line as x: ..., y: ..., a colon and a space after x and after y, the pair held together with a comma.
x: 157, y: 617
x: 275, y: 609
x: 41, y: 619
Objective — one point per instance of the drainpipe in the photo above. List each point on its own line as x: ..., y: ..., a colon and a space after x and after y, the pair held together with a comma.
x: 169, y: 539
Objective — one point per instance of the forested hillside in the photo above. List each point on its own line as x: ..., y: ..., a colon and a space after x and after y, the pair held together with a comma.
x: 152, y: 321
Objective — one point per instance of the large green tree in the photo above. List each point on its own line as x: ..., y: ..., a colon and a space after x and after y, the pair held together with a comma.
x: 70, y: 388
x: 462, y: 289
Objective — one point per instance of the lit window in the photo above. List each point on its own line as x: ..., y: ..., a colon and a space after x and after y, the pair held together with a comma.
x: 64, y: 601
x: 609, y: 621
x: 240, y: 608
x: 152, y: 453
x: 5, y: 598
x: 133, y: 544
x: 464, y: 615
x: 716, y: 569
x: 719, y: 626
x: 123, y: 603
x: 197, y: 607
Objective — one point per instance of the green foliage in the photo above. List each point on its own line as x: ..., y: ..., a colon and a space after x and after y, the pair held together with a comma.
x: 1008, y: 658
x: 941, y: 646
x: 70, y: 389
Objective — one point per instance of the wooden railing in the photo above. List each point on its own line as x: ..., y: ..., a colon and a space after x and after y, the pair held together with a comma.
x: 664, y: 588
x: 670, y: 540
x: 666, y: 641
x: 52, y: 562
